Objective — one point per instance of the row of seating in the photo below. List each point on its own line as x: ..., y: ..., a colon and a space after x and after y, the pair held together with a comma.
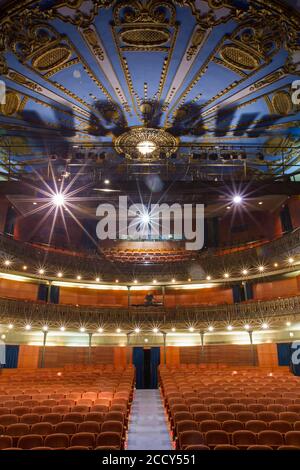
x: 241, y: 439
x: 42, y: 409
x: 61, y: 441
x: 54, y: 418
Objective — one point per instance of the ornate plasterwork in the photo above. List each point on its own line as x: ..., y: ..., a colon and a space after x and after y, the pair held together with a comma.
x: 163, y: 142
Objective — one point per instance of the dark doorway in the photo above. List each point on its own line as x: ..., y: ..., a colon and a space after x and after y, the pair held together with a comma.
x: 146, y: 362
x: 147, y: 368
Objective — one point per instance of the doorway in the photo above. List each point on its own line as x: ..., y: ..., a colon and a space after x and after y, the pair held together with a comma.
x: 146, y: 362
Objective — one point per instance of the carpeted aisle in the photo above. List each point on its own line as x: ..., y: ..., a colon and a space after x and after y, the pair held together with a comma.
x: 148, y: 429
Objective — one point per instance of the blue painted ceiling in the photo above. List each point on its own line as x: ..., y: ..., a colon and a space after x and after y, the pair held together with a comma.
x: 212, y: 72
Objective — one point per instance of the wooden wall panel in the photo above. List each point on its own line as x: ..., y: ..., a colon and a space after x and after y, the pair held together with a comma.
x: 60, y: 356
x: 120, y: 357
x: 18, y: 290
x: 173, y: 356
x: 214, y: 296
x: 28, y: 357
x: 108, y: 298
x: 275, y: 289
x: 267, y: 355
x: 232, y: 354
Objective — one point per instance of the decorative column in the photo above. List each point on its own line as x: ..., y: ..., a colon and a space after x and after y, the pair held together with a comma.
x: 250, y: 333
x: 44, y: 349
x: 165, y: 347
x: 202, y: 333
x: 90, y: 348
x: 128, y: 296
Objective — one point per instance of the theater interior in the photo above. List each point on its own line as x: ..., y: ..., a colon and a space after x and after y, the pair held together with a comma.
x: 118, y: 331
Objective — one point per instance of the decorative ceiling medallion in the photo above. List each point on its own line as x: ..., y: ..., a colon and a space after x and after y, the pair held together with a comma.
x: 52, y: 58
x: 282, y: 103
x: 11, y: 105
x: 146, y: 36
x: 146, y: 144
x: 239, y: 58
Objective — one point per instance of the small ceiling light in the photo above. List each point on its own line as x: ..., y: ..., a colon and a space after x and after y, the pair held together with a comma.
x: 100, y: 330
x: 24, y: 267
x: 78, y: 277
x: 135, y: 281
x: 210, y: 328
x: 208, y: 278
x: 118, y: 330
x: 191, y: 329
x: 228, y: 208
x: 288, y: 323
x: 237, y: 199
x: 173, y: 281
x: 7, y: 262
x: 189, y: 279
x: 59, y: 274
x: 3, y: 336
x: 146, y: 147
x: 62, y: 328
x: 260, y: 203
x: 245, y: 272
x: 28, y: 327
x: 58, y: 199
x: 137, y: 330
x: 291, y: 260
x: 247, y: 327
x: 261, y: 269
x: 173, y: 329
x: 41, y: 271
x: 155, y: 330
x: 146, y: 340
x: 229, y: 327
x: 10, y: 326
x: 97, y: 279
x: 82, y: 329
x: 154, y: 281
x: 226, y: 275
x: 106, y: 181
x: 117, y: 280
x: 34, y: 203
x: 275, y: 265
x: 45, y: 328
x: 265, y: 326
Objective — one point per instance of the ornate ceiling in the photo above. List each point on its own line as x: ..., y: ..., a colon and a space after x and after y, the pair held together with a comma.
x: 210, y: 72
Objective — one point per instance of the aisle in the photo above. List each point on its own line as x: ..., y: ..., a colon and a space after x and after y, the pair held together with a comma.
x: 148, y: 429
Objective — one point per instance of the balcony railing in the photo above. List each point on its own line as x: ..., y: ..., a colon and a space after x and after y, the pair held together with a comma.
x: 38, y: 314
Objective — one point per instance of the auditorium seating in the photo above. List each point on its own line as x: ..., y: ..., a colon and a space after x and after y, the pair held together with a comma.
x: 250, y: 409
x: 50, y: 409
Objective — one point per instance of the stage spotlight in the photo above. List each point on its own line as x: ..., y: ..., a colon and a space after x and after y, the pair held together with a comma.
x: 247, y: 327
x: 191, y: 329
x: 118, y: 330
x: 229, y: 328
x: 10, y: 326
x: 82, y: 329
x: 58, y: 199
x: 210, y: 328
x: 62, y: 328
x: 237, y: 199
x: 137, y: 330
x: 28, y: 327
x: 45, y: 328
x: 100, y: 330
x: 265, y: 326
x: 155, y: 330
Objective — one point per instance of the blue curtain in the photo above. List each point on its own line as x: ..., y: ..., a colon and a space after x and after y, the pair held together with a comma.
x: 249, y: 290
x: 138, y: 362
x: 284, y: 353
x: 42, y: 292
x: 54, y: 294
x: 11, y: 357
x: 236, y: 293
x: 155, y: 361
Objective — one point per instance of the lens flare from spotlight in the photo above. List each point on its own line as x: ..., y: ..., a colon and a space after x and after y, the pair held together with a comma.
x: 58, y: 199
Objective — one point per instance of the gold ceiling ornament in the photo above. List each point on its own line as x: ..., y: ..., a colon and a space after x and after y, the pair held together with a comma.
x: 146, y: 144
x: 195, y: 43
x: 51, y: 58
x: 91, y: 37
x: 282, y: 103
x: 11, y: 105
x: 144, y: 26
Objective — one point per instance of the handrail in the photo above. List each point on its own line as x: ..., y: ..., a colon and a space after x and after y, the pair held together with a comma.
x: 54, y: 315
